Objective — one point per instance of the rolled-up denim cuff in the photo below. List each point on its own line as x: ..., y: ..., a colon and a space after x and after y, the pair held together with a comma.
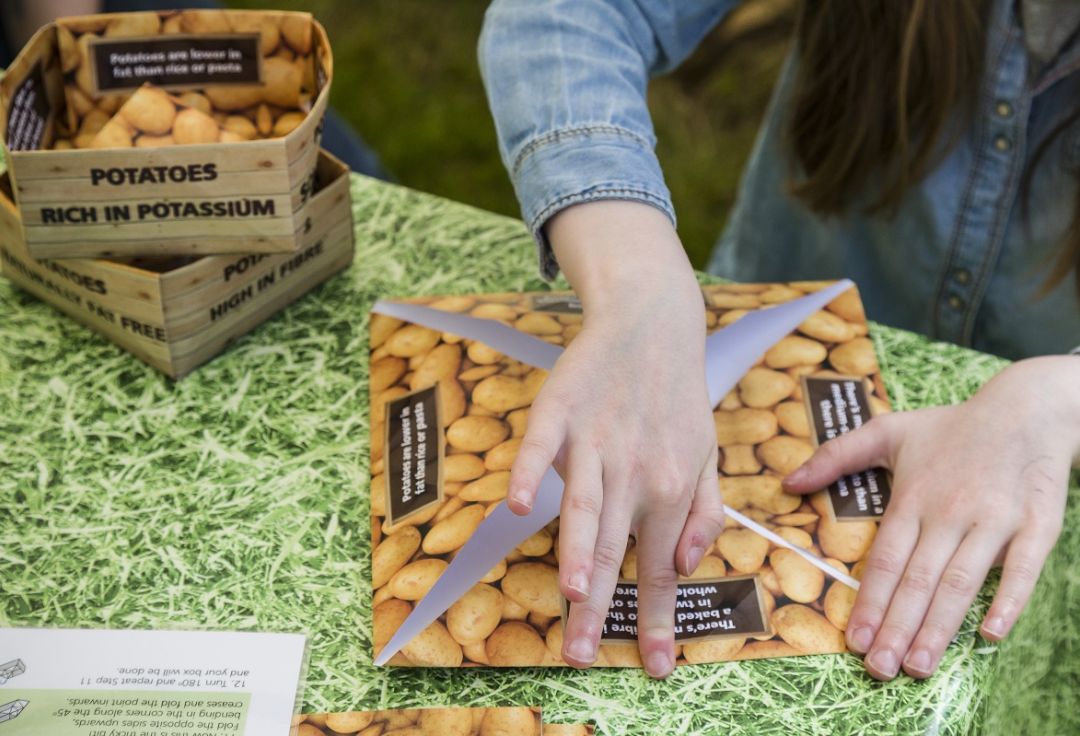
x: 584, y: 164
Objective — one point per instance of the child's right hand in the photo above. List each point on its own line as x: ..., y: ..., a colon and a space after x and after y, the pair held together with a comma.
x: 626, y: 413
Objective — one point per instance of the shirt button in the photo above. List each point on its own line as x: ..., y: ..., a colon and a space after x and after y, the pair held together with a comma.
x: 962, y: 276
x: 956, y: 302
x: 1002, y: 143
x: 1003, y: 109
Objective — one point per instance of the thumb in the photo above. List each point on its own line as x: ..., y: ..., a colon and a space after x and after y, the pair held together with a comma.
x: 869, y: 446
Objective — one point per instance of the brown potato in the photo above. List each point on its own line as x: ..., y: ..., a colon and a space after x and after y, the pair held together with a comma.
x: 234, y: 97
x: 855, y: 357
x: 241, y: 127
x: 150, y: 110
x: 205, y: 21
x: 281, y: 82
x: 794, y: 350
x: 476, y: 434
x: 784, y: 454
x: 827, y: 327
x: 392, y: 554
x: 807, y: 630
x: 713, y: 650
x: 791, y: 415
x: 349, y: 721
x: 154, y: 141
x: 848, y: 305
x: 799, y: 580
x: 287, y: 123
x: 434, y: 647
x: 113, y: 134
x: 69, y: 50
x: 534, y: 586
x: 744, y: 550
x: 517, y: 644
x: 296, y: 30
x: 763, y: 387
x: 744, y: 426
x: 192, y: 126
x: 258, y: 22
x: 126, y: 25
x: 411, y: 340
x: 473, y: 617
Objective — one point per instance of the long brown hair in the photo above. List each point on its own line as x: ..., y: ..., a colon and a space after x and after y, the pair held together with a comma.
x: 883, y: 90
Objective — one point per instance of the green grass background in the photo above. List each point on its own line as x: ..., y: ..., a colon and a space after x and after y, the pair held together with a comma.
x: 406, y: 78
x: 237, y: 499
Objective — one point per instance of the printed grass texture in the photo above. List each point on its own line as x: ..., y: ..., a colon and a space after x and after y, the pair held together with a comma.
x: 237, y: 499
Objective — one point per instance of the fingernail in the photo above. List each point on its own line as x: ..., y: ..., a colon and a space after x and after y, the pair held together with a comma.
x: 693, y: 558
x: 885, y: 662
x: 797, y: 475
x: 995, y: 626
x: 861, y: 639
x: 659, y: 664
x: 521, y: 498
x: 918, y: 662
x: 579, y: 583
x: 581, y: 650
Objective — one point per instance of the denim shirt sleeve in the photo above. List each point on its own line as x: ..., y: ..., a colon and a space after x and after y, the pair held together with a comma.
x: 566, y: 82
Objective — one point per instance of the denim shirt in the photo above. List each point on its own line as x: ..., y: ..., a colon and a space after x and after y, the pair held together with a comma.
x: 959, y: 261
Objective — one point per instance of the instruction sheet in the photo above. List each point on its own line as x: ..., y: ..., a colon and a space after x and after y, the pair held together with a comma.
x: 81, y: 682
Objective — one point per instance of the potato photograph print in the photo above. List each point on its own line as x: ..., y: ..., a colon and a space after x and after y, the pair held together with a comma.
x: 232, y: 76
x: 447, y: 418
x: 432, y: 722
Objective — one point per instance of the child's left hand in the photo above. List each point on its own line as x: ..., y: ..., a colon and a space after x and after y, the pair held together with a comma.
x: 973, y: 484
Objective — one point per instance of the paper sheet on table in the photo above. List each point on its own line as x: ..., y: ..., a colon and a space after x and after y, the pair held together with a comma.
x: 75, y: 682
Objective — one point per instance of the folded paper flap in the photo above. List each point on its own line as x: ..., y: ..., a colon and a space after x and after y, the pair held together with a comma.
x: 508, y: 340
x: 533, y: 331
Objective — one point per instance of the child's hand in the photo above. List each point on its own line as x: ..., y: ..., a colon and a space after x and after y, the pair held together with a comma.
x: 626, y: 413
x: 972, y: 484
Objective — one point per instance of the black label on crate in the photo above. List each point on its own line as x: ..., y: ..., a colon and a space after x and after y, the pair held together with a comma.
x: 28, y: 113
x: 704, y: 609
x: 837, y: 406
x: 175, y: 61
x: 558, y: 303
x: 413, y: 453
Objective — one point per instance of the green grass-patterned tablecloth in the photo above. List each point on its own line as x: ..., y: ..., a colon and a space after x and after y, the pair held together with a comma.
x: 237, y: 499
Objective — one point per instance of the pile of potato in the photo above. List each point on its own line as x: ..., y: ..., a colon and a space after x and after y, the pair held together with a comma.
x: 430, y: 722
x: 513, y: 616
x: 225, y: 113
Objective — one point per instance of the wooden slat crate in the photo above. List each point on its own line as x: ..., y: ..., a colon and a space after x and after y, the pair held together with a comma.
x: 231, y: 178
x: 176, y: 318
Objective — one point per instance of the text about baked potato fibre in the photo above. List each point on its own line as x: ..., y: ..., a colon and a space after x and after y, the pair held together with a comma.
x: 837, y: 406
x: 414, y: 459
x: 704, y: 609
x: 178, y: 61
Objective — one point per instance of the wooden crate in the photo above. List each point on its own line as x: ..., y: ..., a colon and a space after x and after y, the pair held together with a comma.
x: 199, y: 198
x: 176, y: 318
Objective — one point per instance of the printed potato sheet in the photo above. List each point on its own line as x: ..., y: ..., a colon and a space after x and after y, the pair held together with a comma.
x: 434, y: 722
x: 448, y: 414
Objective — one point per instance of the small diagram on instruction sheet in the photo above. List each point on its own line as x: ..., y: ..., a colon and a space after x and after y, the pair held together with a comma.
x: 11, y: 711
x: 14, y: 668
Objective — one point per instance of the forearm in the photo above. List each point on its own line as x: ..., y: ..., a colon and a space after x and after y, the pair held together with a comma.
x: 621, y: 255
x: 566, y: 83
x: 1046, y: 391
